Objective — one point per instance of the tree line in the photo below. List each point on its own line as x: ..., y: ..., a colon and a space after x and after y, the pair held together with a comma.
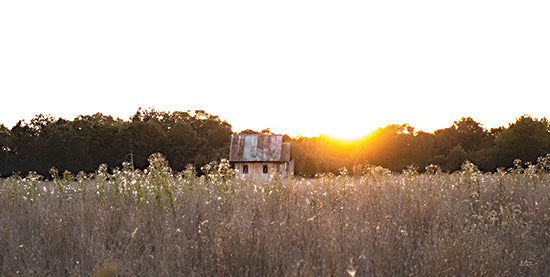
x: 198, y: 138
x: 398, y: 147
x: 87, y: 141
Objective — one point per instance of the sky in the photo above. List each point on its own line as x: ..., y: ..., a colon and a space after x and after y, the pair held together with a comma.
x: 342, y: 68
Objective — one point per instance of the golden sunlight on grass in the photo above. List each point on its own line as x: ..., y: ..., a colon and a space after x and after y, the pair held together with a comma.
x: 163, y: 223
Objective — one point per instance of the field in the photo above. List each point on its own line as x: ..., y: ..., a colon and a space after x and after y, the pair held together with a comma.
x: 161, y: 223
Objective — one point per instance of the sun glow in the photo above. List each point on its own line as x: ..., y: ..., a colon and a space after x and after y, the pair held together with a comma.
x: 342, y: 69
x: 340, y: 133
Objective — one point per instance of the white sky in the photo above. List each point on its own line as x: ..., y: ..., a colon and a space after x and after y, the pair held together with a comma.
x: 304, y: 67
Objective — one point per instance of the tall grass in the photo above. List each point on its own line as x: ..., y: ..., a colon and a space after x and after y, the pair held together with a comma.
x: 161, y: 223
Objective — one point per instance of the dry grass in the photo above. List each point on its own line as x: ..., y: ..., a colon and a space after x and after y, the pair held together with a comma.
x: 157, y: 223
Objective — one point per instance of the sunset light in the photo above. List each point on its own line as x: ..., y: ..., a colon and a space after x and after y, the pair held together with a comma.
x: 303, y: 68
x: 274, y: 138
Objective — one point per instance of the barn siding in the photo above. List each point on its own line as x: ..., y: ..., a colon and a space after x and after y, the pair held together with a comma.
x: 255, y: 170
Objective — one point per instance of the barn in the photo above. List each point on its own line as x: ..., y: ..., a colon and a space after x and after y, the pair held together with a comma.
x: 260, y: 156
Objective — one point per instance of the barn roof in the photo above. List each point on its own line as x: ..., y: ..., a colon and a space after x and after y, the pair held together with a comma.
x: 258, y: 148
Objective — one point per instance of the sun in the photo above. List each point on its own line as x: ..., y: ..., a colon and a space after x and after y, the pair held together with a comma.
x: 346, y: 130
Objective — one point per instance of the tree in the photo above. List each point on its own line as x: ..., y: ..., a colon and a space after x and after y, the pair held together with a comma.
x: 526, y: 139
x: 457, y: 156
x: 396, y: 147
x: 5, y: 150
x: 146, y: 138
x: 183, y: 145
x: 249, y: 132
x: 471, y: 135
x: 466, y: 132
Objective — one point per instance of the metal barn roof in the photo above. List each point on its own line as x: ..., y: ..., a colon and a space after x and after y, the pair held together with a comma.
x: 258, y: 148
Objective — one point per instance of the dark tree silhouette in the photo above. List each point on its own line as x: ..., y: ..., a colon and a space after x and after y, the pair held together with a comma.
x: 198, y: 138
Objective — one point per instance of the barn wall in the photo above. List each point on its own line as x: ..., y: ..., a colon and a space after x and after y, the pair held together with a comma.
x: 255, y: 170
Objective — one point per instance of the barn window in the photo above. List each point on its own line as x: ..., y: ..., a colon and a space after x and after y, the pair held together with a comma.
x: 265, y: 168
x: 245, y: 168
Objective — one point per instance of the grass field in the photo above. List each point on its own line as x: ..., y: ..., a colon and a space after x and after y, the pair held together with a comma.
x: 160, y: 223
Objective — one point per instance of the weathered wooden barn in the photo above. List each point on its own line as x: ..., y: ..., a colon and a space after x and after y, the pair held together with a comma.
x: 260, y: 156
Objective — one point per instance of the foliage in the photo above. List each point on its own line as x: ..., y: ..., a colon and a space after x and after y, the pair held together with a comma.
x: 87, y: 141
x: 526, y: 139
x: 397, y: 147
x: 198, y: 138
